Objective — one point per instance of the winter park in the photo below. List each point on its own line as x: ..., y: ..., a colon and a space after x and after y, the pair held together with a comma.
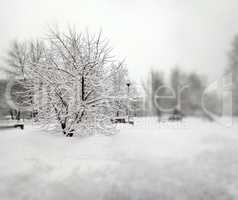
x: 117, y: 100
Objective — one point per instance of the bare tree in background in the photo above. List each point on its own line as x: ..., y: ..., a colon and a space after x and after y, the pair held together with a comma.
x: 17, y: 59
x: 193, y: 93
x: 178, y: 81
x: 189, y: 89
x: 233, y: 68
x: 154, y: 82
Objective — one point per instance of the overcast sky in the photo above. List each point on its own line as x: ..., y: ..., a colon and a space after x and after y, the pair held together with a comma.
x: 195, y: 34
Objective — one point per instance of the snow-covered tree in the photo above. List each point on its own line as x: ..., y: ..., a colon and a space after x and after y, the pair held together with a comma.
x: 119, y: 89
x: 70, y: 78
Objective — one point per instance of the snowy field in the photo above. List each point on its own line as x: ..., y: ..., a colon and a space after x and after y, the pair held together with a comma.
x: 189, y: 161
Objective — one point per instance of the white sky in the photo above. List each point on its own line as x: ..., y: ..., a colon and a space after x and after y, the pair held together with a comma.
x: 195, y: 34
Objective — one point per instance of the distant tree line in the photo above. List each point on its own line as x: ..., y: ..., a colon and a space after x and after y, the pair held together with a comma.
x: 189, y: 92
x: 183, y: 91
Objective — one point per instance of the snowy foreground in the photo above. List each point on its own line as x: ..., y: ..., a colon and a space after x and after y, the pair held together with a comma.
x: 193, y: 160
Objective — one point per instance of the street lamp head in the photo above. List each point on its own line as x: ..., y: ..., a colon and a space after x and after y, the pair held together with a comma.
x: 128, y: 83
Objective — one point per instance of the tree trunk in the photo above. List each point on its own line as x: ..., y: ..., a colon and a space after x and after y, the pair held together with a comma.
x: 12, y: 114
x: 18, y: 115
x: 82, y: 88
x: 63, y: 126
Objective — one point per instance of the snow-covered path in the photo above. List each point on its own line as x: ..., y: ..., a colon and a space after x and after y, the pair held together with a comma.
x: 192, y: 160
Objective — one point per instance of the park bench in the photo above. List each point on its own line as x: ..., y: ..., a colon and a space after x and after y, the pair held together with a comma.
x: 11, y: 124
x: 175, y: 117
x: 123, y: 120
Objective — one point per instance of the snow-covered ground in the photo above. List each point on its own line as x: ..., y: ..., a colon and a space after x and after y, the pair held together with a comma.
x: 190, y: 160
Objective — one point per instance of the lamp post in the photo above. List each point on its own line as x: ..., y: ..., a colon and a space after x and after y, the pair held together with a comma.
x: 128, y: 84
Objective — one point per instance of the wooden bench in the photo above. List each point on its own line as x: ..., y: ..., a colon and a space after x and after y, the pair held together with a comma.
x: 122, y: 120
x: 21, y: 126
x: 176, y: 118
